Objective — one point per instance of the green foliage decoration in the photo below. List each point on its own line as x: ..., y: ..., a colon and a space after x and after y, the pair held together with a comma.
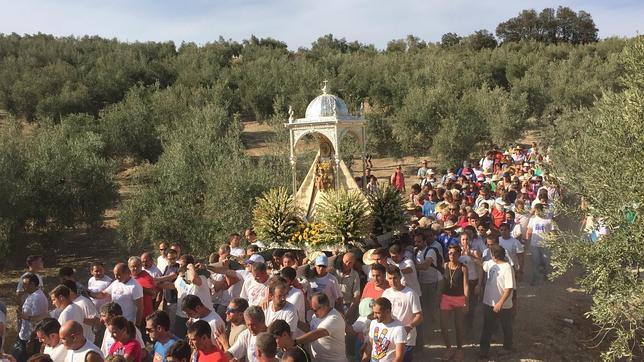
x: 387, y: 209
x: 276, y: 217
x: 345, y: 219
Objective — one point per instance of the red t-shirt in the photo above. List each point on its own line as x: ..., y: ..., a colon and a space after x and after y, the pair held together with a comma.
x: 131, y: 348
x: 146, y: 281
x: 370, y: 291
x: 498, y: 217
x: 216, y: 356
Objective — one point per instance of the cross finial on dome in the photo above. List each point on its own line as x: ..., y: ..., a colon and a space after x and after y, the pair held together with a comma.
x: 325, y: 88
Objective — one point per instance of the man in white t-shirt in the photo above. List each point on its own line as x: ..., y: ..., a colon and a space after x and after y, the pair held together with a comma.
x: 47, y: 333
x: 407, y: 268
x: 194, y: 308
x: 126, y: 292
x: 90, y: 313
x: 295, y: 295
x: 32, y: 310
x: 325, y: 282
x: 538, y: 227
x: 148, y: 265
x: 497, y: 299
x: 99, y: 281
x: 279, y: 308
x: 513, y: 247
x: 244, y: 347
x: 234, y: 241
x: 162, y: 261
x: 78, y: 348
x: 405, y: 306
x: 326, y: 337
x: 387, y: 335
x: 255, y: 288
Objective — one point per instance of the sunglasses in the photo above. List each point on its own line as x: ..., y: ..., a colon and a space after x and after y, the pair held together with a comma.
x: 231, y: 310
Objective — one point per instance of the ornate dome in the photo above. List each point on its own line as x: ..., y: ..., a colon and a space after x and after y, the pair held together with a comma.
x: 326, y: 105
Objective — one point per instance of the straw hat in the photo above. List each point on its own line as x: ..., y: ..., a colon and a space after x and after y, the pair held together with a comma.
x: 449, y: 224
x: 424, y: 222
x: 366, y: 257
x: 481, y: 211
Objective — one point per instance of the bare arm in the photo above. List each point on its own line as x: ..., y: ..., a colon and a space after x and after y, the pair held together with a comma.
x: 400, y: 352
x: 499, y: 305
x: 312, y: 336
x: 192, y: 275
x: 139, y: 311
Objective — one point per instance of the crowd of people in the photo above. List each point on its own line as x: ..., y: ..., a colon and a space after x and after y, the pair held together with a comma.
x: 456, y: 267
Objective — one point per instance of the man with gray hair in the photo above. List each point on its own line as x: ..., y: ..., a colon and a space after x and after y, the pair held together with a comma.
x: 327, y: 331
x: 266, y: 347
x: 245, y: 346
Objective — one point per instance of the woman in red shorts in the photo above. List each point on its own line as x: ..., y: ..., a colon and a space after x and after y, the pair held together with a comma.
x: 453, y: 303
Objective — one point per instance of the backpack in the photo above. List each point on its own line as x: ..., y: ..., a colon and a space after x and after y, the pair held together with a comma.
x: 439, y: 259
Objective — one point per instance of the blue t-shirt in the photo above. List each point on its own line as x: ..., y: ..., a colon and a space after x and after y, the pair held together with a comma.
x: 160, y: 349
x: 429, y: 208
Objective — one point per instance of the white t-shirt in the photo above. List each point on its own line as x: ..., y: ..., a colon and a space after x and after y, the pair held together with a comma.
x: 539, y: 227
x: 287, y: 313
x: 499, y: 277
x: 332, y: 347
x: 215, y: 322
x: 89, y: 311
x: 244, y: 347
x: 296, y: 297
x: 238, y: 252
x: 513, y: 247
x: 182, y: 290
x: 80, y: 354
x: 162, y: 263
x: 253, y: 291
x: 409, y: 279
x: 328, y: 284
x: 471, y: 266
x: 202, y: 291
x: 404, y: 304
x: 429, y: 275
x: 125, y: 294
x: 57, y: 353
x: 35, y: 305
x: 108, y: 341
x: 384, y: 339
x: 71, y: 312
x: 94, y: 285
x: 154, y: 271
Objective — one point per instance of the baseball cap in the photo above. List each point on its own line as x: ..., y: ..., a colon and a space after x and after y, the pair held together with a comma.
x: 322, y: 260
x: 255, y: 258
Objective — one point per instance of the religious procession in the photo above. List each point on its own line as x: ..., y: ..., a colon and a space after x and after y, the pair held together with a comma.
x: 343, y: 268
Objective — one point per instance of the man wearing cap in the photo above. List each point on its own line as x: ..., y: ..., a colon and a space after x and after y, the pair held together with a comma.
x: 422, y: 171
x: 325, y: 282
x: 255, y: 289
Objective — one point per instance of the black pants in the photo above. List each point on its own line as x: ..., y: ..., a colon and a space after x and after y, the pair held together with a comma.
x: 472, y: 303
x: 490, y: 321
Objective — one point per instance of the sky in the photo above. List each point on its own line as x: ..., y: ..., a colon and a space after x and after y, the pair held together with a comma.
x: 296, y: 22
